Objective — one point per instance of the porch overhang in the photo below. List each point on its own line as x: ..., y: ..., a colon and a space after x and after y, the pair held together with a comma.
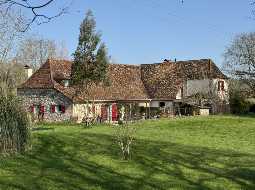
x: 117, y: 101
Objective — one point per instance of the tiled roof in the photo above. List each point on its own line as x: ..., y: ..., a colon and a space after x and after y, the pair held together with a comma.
x: 164, y: 80
x: 61, y: 69
x: 198, y: 69
x: 124, y: 84
x: 42, y: 78
x: 161, y: 80
x: 127, y: 82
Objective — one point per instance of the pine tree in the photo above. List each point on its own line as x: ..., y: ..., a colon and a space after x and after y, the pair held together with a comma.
x: 90, y: 57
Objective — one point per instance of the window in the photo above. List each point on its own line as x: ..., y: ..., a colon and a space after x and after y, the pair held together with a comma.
x: 60, y: 109
x: 37, y: 109
x: 66, y: 83
x: 221, y: 86
x: 162, y: 104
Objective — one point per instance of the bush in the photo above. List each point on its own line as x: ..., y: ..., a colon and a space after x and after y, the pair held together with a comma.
x: 238, y: 104
x: 124, y: 138
x: 14, y: 126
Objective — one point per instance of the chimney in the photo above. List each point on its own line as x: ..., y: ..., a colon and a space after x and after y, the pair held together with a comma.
x: 28, y: 71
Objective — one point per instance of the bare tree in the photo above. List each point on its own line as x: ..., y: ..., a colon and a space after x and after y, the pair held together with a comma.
x: 34, y: 51
x: 10, y: 25
x: 62, y: 51
x: 240, y: 59
x: 35, y: 9
x: 11, y: 75
x: 10, y: 35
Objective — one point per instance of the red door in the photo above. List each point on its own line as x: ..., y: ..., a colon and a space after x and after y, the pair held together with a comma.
x: 104, y: 112
x: 114, y: 112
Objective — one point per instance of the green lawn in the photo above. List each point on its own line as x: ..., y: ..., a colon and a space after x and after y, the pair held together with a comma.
x: 191, y: 153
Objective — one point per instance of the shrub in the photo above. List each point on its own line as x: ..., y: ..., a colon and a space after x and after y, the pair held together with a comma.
x: 238, y: 104
x: 14, y: 126
x: 124, y: 138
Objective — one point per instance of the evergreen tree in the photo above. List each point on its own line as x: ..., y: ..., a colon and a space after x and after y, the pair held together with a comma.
x: 90, y: 57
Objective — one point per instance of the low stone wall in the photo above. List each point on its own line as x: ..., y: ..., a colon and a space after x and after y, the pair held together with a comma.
x: 47, y: 98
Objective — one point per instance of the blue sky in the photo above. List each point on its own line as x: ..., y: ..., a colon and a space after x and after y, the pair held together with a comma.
x: 148, y: 31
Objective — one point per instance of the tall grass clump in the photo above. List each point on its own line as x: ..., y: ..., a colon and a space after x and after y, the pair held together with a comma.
x: 14, y: 126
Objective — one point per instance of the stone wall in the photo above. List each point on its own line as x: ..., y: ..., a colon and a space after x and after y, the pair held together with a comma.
x: 47, y: 97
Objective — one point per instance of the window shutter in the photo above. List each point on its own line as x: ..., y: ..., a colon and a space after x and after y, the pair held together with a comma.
x: 32, y: 109
x: 63, y: 109
x: 53, y: 108
x: 42, y: 110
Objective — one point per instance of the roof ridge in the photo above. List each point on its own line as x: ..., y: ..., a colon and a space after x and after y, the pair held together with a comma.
x: 56, y: 59
x: 120, y: 64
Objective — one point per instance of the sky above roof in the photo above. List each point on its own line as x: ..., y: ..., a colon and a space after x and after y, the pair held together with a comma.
x: 149, y: 31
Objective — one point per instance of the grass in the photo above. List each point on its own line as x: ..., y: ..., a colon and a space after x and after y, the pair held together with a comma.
x: 204, y: 153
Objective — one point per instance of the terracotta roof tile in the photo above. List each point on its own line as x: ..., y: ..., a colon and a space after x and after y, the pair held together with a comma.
x: 42, y: 78
x: 124, y: 84
x: 61, y: 69
x: 164, y: 80
x: 127, y: 82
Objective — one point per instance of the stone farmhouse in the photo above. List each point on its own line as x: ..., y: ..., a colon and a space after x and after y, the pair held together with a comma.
x: 165, y: 86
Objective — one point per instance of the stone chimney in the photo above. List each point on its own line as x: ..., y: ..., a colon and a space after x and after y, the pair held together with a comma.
x: 28, y: 71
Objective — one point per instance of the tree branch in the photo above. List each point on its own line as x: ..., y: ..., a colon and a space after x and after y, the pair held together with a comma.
x: 34, y: 10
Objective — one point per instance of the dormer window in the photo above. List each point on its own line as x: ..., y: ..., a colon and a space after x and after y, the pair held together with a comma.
x: 66, y: 83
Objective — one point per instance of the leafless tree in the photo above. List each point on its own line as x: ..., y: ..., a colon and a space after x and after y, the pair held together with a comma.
x: 10, y: 25
x: 34, y: 51
x: 240, y: 59
x: 11, y: 75
x: 35, y: 9
x: 10, y: 35
x: 62, y: 51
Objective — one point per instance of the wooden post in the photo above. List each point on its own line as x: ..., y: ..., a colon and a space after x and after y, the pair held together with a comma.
x: 146, y: 110
x: 130, y: 111
x: 149, y: 111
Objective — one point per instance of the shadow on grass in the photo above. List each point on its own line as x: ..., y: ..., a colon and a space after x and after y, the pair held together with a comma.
x: 42, y: 128
x: 73, y: 162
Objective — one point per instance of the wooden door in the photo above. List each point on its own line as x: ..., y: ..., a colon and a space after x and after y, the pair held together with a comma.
x: 114, y: 112
x: 104, y: 114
